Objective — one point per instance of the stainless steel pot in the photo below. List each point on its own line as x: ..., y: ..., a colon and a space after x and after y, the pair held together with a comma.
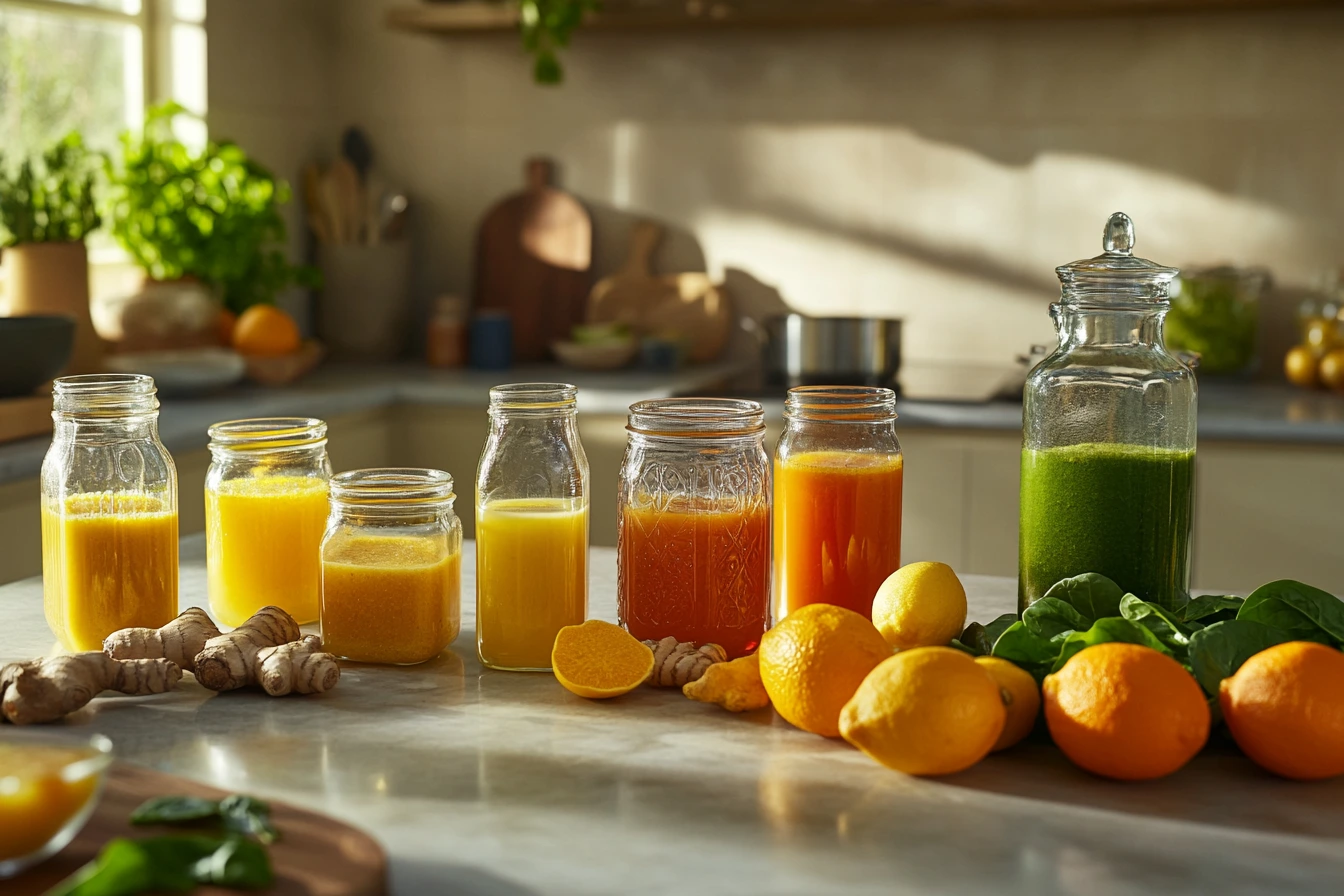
x: 824, y: 351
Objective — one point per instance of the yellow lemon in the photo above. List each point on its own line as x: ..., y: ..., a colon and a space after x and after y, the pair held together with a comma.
x: 920, y: 605
x: 927, y: 711
x: 1020, y: 695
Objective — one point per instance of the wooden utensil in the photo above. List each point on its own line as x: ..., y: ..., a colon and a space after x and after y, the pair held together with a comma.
x: 533, y: 254
x: 689, y: 306
x: 315, y: 853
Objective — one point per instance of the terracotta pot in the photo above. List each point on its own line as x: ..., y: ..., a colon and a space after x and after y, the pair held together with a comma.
x: 53, y: 278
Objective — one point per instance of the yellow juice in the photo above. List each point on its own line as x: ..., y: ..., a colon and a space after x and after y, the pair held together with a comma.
x: 38, y: 795
x: 109, y: 561
x: 264, y: 546
x: 531, y: 578
x: 390, y: 598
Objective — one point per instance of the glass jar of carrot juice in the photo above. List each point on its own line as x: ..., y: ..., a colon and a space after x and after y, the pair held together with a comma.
x: 391, y: 566
x: 265, y: 512
x: 109, y: 511
x: 693, y: 523
x: 838, y: 478
x: 531, y: 526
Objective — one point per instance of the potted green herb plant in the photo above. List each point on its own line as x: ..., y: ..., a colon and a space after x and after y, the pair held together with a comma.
x: 46, y: 211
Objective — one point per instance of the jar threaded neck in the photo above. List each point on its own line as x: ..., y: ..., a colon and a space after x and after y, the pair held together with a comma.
x: 696, y: 418
x: 268, y: 434
x: 105, y: 395
x: 841, y: 404
x: 411, y: 489
x: 533, y: 398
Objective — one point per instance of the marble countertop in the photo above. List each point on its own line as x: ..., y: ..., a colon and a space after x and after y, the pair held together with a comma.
x: 504, y: 784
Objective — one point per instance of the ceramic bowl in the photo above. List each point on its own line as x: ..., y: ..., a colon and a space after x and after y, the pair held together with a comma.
x: 184, y: 372
x: 597, y: 355
x: 35, y: 348
x: 41, y: 814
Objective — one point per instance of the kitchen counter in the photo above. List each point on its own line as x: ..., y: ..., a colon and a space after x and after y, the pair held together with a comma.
x: 482, y: 782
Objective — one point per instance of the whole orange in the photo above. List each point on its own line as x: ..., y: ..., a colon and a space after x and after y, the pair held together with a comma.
x: 814, y: 661
x: 265, y: 330
x: 1285, y: 709
x: 1126, y: 711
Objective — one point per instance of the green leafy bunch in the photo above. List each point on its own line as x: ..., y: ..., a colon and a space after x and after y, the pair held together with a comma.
x: 51, y: 202
x: 213, y: 215
x: 547, y: 26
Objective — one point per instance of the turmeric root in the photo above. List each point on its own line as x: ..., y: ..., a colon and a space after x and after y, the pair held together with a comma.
x: 675, y: 663
x: 232, y: 660
x: 44, y: 690
x: 735, y: 686
x: 298, y: 667
x: 178, y: 641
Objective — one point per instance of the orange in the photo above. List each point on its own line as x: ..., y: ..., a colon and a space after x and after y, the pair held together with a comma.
x: 1021, y: 697
x: 1301, y: 366
x: 266, y: 330
x: 1285, y: 709
x: 225, y: 323
x: 1126, y: 711
x: 599, y: 660
x: 814, y: 661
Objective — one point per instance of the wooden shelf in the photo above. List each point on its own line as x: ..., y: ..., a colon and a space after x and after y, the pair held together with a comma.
x: 482, y: 17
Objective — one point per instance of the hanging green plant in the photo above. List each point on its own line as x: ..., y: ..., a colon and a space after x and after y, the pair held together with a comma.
x: 547, y: 26
x: 52, y: 201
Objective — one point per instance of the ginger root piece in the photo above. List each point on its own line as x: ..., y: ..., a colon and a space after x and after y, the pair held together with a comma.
x: 233, y: 660
x: 299, y: 667
x: 44, y: 690
x: 735, y: 686
x: 677, y: 663
x: 178, y: 641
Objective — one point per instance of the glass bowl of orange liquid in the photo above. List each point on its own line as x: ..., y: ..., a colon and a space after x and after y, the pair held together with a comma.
x: 48, y: 790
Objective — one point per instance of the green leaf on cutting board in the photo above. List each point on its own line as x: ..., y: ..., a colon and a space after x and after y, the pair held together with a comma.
x: 1210, y: 608
x: 1051, y: 616
x: 174, y: 810
x: 1219, y: 650
x: 1105, y: 631
x: 1091, y: 594
x: 1301, y: 611
x: 248, y: 815
x: 1161, y: 622
x: 170, y: 865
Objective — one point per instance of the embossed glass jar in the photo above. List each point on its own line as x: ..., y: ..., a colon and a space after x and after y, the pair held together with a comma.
x: 693, y: 523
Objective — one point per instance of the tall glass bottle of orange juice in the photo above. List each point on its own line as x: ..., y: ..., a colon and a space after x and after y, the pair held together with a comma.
x: 109, y: 511
x: 531, y: 526
x: 839, y: 474
x: 265, y: 513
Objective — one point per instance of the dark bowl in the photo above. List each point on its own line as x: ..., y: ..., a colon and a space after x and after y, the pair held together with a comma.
x: 32, y: 351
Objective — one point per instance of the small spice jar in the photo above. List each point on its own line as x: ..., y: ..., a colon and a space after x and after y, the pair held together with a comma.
x: 693, y: 523
x: 265, y: 512
x: 391, y: 566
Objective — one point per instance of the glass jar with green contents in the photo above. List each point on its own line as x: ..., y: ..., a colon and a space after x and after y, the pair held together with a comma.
x: 1108, y: 435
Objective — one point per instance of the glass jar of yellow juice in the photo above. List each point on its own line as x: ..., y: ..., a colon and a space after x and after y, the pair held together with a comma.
x: 109, y: 511
x: 265, y: 512
x: 391, y: 566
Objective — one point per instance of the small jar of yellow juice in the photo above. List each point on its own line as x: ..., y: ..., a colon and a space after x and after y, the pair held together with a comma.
x: 265, y: 512
x: 391, y: 566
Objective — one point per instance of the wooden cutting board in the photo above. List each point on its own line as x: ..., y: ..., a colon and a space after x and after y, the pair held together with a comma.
x: 316, y: 855
x: 21, y: 418
x: 533, y: 254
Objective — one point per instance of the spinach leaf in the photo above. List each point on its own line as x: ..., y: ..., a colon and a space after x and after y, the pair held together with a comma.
x: 170, y: 864
x: 174, y: 810
x: 979, y: 638
x: 1103, y: 631
x: 247, y: 815
x: 1304, y: 612
x: 1160, y: 621
x: 1219, y: 650
x: 1211, y: 608
x: 1091, y: 594
x: 1031, y: 652
x: 238, y: 863
x: 1052, y: 616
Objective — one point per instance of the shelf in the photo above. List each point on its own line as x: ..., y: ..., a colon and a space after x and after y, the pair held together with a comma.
x: 480, y: 17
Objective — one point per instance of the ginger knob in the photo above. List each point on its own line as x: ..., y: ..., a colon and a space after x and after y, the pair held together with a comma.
x: 233, y: 660
x: 676, y: 663
x: 179, y: 641
x: 735, y: 686
x: 44, y: 690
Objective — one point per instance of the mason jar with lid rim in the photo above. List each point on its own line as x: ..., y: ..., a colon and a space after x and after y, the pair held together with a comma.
x: 1108, y: 435
x: 839, y: 476
x: 391, y: 566
x: 693, y: 523
x: 109, y: 511
x: 265, y: 512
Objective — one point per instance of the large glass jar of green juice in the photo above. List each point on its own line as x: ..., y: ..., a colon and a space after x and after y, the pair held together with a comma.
x: 1108, y: 435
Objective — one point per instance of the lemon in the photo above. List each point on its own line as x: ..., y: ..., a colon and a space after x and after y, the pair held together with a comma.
x: 927, y: 711
x: 1021, y: 697
x: 920, y: 605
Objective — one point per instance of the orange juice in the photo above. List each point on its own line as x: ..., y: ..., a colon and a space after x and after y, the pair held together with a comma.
x: 109, y: 561
x: 390, y: 598
x: 264, y: 546
x: 837, y: 528
x: 42, y: 787
x: 531, y: 578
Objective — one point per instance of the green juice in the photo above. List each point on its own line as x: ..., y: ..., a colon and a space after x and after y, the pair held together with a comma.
x: 1120, y: 510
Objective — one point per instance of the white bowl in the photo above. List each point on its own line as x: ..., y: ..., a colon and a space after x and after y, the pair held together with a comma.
x: 192, y: 371
x: 596, y: 355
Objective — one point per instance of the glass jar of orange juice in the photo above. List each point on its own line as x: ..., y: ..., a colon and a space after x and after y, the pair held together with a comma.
x: 693, y: 523
x: 531, y: 526
x: 391, y: 566
x: 109, y: 511
x: 838, y: 482
x: 265, y: 512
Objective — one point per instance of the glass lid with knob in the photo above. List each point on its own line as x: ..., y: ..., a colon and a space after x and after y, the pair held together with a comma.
x: 1117, y: 274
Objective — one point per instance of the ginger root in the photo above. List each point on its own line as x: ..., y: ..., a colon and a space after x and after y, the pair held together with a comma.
x: 44, y: 690
x: 232, y: 660
x: 735, y: 686
x: 676, y: 663
x: 299, y: 667
x: 179, y: 641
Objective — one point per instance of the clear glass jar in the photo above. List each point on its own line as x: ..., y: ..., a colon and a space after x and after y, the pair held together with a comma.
x: 109, y: 511
x: 265, y: 512
x: 391, y: 566
x: 1215, y: 314
x: 1108, y: 435
x: 693, y: 523
x: 838, y: 482
x: 531, y: 526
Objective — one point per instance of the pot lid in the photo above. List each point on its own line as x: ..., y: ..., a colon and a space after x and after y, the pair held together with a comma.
x: 1117, y: 271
